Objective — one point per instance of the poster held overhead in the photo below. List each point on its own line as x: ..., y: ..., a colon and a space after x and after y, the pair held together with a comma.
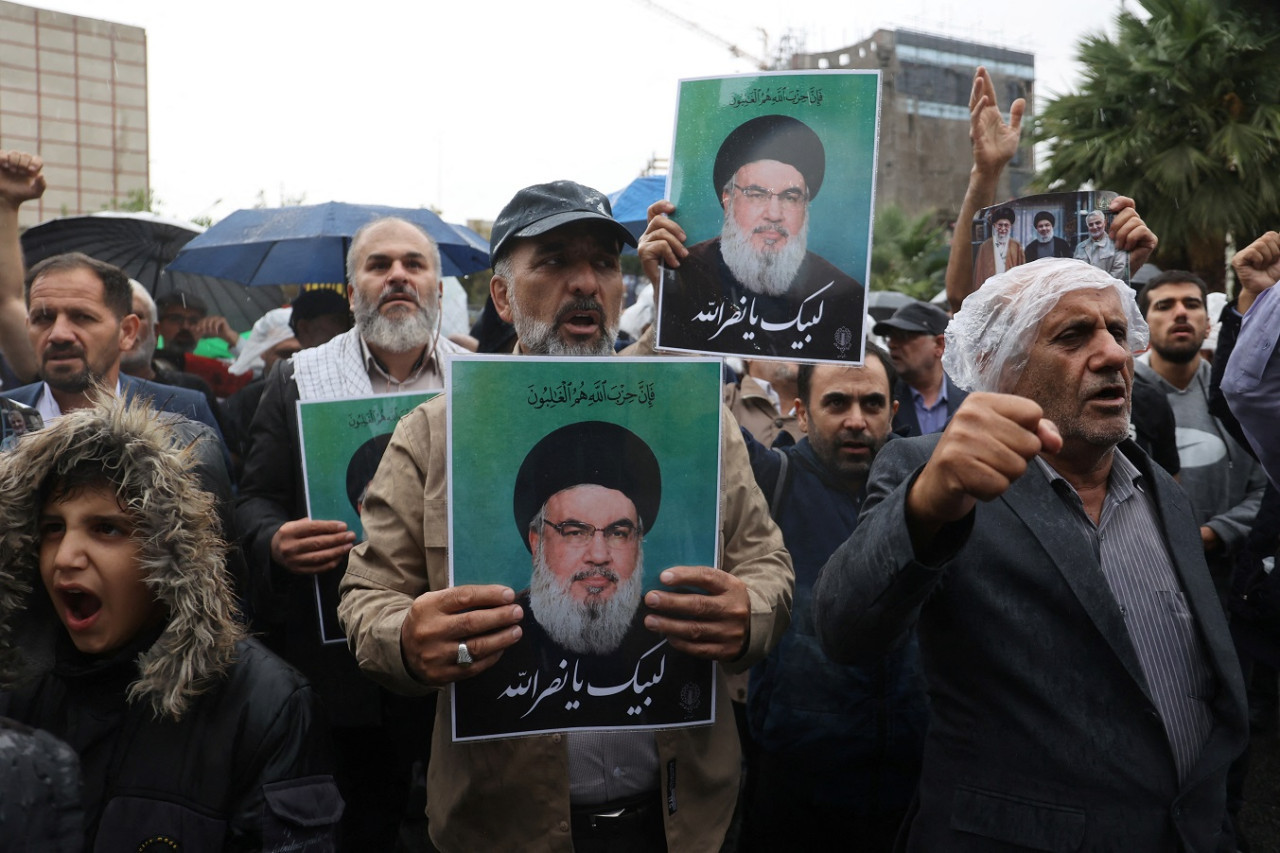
x: 773, y: 180
x: 1051, y: 225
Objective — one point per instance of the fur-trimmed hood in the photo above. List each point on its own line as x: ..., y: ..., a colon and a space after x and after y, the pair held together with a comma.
x: 182, y: 552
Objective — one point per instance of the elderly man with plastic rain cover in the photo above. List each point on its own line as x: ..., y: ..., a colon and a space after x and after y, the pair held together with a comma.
x: 1085, y: 694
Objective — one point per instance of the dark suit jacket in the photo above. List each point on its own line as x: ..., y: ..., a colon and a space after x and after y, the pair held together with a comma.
x: 166, y: 398
x: 272, y: 492
x: 1043, y: 735
x: 906, y: 422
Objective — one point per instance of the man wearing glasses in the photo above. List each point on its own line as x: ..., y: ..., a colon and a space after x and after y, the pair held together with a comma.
x: 757, y: 289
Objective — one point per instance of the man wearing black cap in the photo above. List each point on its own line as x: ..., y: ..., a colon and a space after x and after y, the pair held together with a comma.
x: 556, y: 255
x: 393, y: 270
x: 756, y: 289
x: 925, y: 394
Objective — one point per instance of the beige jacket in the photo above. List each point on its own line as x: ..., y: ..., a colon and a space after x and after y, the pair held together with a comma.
x: 513, y: 794
x: 754, y: 410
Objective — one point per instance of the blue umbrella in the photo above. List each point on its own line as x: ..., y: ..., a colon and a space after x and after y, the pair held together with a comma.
x: 478, y: 242
x: 302, y: 245
x: 631, y: 203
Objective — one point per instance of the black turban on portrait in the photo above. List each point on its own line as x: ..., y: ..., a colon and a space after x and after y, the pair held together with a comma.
x: 588, y: 453
x: 782, y: 138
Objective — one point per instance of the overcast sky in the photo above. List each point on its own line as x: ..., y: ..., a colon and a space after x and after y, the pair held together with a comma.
x: 457, y: 105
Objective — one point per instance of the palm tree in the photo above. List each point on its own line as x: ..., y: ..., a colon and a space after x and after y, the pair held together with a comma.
x: 908, y: 254
x: 1182, y: 112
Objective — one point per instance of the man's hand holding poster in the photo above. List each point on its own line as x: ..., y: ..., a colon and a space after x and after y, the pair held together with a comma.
x: 342, y: 444
x: 576, y: 482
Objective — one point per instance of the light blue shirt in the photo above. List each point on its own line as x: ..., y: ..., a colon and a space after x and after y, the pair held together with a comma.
x: 1251, y: 381
x: 932, y: 418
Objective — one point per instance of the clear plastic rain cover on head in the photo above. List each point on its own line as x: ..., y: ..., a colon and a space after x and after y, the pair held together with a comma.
x: 989, y: 340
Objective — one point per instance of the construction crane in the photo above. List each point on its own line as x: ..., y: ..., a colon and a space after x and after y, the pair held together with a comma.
x: 737, y: 52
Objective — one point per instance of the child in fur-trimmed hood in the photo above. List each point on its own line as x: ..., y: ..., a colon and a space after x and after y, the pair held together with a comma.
x: 118, y: 634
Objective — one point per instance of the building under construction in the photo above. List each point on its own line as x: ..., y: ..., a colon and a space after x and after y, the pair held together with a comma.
x: 924, y: 113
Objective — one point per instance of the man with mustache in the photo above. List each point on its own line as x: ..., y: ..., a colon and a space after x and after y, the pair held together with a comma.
x: 1084, y: 692
x: 999, y: 252
x: 1099, y: 249
x: 1222, y: 479
x: 393, y: 272
x: 80, y: 322
x: 766, y: 173
x: 927, y: 398
x: 1046, y: 244
x: 556, y: 252
x: 837, y: 746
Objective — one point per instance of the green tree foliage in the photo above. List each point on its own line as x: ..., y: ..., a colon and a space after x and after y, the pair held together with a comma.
x: 135, y: 201
x: 909, y: 254
x: 1182, y: 112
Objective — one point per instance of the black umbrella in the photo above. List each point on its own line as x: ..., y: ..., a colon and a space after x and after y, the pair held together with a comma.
x: 143, y: 244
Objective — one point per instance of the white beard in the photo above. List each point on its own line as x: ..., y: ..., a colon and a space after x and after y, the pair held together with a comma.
x: 539, y: 338
x: 597, y: 626
x: 766, y: 272
x: 398, y: 332
x: 1043, y: 238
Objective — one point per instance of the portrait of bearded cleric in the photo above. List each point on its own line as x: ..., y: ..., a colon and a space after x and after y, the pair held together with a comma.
x: 757, y: 289
x: 585, y: 497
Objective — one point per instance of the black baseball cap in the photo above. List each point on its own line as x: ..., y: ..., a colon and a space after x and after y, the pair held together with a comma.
x: 914, y: 317
x: 543, y: 207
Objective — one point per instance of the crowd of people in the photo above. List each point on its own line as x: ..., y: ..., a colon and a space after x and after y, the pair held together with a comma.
x: 1000, y: 586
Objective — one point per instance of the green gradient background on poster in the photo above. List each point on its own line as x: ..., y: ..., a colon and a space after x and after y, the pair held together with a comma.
x: 494, y: 427
x: 332, y: 430
x: 845, y: 121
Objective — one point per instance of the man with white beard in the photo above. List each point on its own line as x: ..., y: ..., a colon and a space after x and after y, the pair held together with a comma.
x: 1099, y: 249
x: 556, y: 252
x: 1046, y: 244
x: 393, y: 272
x: 757, y: 289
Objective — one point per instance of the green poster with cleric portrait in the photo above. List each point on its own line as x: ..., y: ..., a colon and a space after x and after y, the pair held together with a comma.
x: 576, y: 481
x: 773, y: 179
x: 342, y: 444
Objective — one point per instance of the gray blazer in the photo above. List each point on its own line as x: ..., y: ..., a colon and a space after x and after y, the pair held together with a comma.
x: 1043, y: 734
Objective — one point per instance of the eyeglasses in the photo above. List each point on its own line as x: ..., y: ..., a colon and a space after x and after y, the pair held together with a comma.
x: 759, y: 196
x: 579, y: 533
